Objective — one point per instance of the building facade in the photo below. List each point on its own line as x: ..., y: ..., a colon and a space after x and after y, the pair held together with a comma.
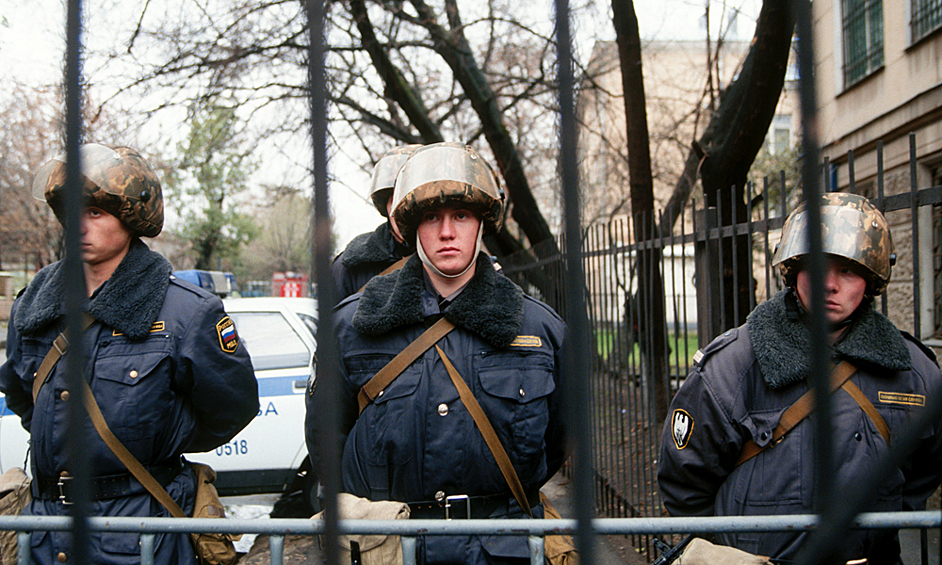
x: 878, y: 70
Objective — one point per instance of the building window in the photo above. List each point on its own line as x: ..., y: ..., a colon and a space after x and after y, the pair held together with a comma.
x: 779, y: 138
x: 926, y: 17
x: 863, y: 38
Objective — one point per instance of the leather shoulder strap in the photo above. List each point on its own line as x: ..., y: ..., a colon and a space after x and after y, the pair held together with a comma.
x: 58, y: 349
x: 869, y: 409
x: 490, y: 436
x: 134, y: 466
x: 388, y: 374
x: 797, y: 412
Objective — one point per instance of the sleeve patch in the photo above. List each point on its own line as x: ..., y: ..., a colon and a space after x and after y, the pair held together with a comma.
x: 681, y: 428
x: 228, y: 338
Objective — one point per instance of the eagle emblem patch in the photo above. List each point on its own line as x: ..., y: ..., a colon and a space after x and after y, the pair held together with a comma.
x: 681, y: 428
x: 228, y: 338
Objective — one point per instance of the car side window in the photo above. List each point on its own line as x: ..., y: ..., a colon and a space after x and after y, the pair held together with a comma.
x: 310, y: 322
x: 271, y: 341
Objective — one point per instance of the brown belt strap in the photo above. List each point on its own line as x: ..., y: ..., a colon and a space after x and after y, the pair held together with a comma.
x: 490, y: 436
x: 134, y: 466
x: 58, y: 349
x: 869, y: 409
x: 394, y: 267
x: 797, y: 412
x: 388, y: 374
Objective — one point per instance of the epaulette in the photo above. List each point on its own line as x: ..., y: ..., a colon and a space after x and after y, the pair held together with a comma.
x: 922, y: 346
x: 718, y: 343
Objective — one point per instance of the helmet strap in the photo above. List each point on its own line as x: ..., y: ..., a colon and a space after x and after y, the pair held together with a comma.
x: 428, y: 262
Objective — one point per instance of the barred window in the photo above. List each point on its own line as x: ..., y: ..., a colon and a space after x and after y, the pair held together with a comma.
x: 863, y: 38
x: 926, y: 17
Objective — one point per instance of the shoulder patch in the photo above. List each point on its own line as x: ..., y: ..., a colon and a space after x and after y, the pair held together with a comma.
x: 228, y: 338
x: 681, y: 427
x: 526, y: 341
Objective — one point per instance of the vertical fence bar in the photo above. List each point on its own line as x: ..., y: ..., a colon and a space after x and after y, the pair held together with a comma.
x: 147, y: 549
x: 23, y: 548
x: 824, y: 476
x: 75, y: 289
x: 683, y: 278
x: 914, y: 212
x: 734, y: 250
x: 768, y: 255
x: 749, y: 226
x: 851, y: 174
x: 579, y: 401
x: 717, y: 228
x: 276, y: 548
x: 881, y: 205
x: 329, y: 469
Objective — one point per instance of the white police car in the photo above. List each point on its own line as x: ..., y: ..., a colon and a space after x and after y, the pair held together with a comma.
x: 269, y: 455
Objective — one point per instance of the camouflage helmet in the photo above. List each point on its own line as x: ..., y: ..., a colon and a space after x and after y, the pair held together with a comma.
x: 117, y: 180
x: 446, y: 173
x: 852, y: 228
x: 384, y: 174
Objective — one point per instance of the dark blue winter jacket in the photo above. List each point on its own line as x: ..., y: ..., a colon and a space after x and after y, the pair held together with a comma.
x: 168, y: 372
x: 417, y: 442
x: 737, y: 390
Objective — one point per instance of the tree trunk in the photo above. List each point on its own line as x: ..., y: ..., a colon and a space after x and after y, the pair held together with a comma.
x: 650, y: 282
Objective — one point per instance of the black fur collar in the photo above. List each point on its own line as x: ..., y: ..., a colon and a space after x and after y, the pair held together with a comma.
x: 129, y: 301
x: 782, y: 342
x: 490, y: 305
x: 372, y: 247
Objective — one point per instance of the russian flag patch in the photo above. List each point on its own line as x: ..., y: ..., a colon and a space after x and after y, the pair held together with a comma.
x: 228, y: 338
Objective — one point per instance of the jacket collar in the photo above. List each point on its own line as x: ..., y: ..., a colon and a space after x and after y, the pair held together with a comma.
x: 490, y: 306
x: 373, y: 247
x: 129, y: 301
x: 781, y: 342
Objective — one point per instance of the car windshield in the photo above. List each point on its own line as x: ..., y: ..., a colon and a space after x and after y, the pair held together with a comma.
x: 271, y: 341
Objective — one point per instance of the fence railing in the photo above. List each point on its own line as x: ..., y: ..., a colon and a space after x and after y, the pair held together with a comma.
x: 627, y: 423
x: 625, y: 397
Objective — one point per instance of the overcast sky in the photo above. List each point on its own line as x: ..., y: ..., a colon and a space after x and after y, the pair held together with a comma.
x: 32, y: 46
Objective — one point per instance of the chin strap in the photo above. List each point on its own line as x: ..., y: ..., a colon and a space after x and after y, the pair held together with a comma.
x: 428, y: 262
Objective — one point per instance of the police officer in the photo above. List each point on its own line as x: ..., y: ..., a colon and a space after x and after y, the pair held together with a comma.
x: 416, y: 442
x: 371, y: 253
x: 164, y: 363
x: 718, y: 455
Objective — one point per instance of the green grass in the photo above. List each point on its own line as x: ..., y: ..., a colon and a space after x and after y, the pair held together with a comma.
x: 684, y: 346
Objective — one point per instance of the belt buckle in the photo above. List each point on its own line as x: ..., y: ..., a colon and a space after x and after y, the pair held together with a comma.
x: 63, y: 485
x: 457, y: 497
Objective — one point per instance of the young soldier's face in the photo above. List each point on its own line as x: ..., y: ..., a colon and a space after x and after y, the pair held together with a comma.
x: 844, y: 288
x: 104, y: 237
x: 449, y: 237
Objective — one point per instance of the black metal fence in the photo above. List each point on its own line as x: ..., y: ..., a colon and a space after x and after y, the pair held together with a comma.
x: 627, y: 421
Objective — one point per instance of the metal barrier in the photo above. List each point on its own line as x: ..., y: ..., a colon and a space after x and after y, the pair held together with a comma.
x: 625, y: 470
x: 276, y: 529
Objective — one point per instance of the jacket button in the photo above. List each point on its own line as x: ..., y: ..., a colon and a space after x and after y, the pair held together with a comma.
x: 133, y: 374
x: 442, y: 409
x: 439, y: 495
x: 62, y: 557
x: 857, y: 436
x: 522, y: 393
x: 64, y: 396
